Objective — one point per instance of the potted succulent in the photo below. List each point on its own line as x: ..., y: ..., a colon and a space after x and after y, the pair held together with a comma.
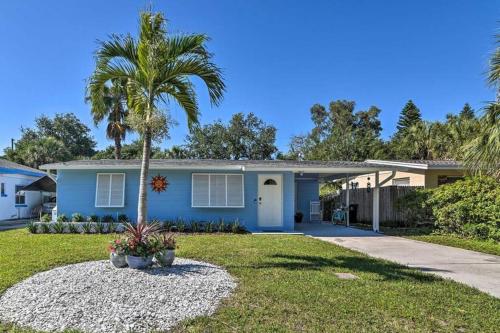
x: 140, y: 246
x: 298, y: 217
x: 166, y: 250
x: 117, y: 250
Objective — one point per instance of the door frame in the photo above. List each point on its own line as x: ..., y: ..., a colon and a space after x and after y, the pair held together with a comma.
x: 268, y: 175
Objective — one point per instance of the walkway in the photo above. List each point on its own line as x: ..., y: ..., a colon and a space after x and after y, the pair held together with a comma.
x: 475, y: 269
x: 13, y: 224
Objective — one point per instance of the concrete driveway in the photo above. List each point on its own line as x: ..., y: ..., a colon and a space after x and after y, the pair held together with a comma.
x: 475, y: 269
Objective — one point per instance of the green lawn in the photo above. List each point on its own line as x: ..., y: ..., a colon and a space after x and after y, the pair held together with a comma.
x: 286, y: 283
x: 426, y: 235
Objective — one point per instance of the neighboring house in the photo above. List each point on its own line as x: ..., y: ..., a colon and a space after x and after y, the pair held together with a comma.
x: 428, y: 174
x: 263, y: 195
x: 14, y: 201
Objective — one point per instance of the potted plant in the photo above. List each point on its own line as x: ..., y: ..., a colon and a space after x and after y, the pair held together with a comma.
x: 117, y: 250
x: 140, y: 246
x: 166, y: 250
x: 298, y: 217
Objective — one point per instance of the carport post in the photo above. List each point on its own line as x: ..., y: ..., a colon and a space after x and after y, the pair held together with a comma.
x: 376, y: 203
x: 347, y: 199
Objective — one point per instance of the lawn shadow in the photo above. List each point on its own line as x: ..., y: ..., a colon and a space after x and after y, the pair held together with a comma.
x: 354, y: 264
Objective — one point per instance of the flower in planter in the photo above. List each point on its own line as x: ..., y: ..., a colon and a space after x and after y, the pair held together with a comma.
x: 117, y: 246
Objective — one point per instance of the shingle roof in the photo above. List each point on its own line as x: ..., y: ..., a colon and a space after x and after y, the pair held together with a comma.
x: 15, y: 166
x: 421, y: 164
x: 202, y: 163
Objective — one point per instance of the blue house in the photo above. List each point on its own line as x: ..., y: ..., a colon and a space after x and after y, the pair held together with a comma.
x: 263, y: 195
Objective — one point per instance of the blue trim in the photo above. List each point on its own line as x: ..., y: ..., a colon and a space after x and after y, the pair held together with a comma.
x: 21, y: 205
x: 21, y: 172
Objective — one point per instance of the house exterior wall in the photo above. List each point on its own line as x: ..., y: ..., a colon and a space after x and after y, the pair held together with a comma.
x: 307, y: 191
x: 76, y: 194
x: 424, y: 178
x: 8, y: 207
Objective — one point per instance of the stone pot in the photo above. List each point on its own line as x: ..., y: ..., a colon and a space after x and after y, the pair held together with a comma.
x: 118, y: 260
x: 139, y: 262
x: 165, y: 258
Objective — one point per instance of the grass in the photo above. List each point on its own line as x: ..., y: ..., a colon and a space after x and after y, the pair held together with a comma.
x: 286, y: 283
x: 426, y: 234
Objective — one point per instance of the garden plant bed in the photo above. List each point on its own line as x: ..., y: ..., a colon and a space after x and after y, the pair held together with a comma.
x: 96, y: 297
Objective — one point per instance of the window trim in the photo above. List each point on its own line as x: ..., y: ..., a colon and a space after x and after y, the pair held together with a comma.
x: 2, y: 190
x: 395, y: 180
x: 218, y: 174
x: 19, y: 204
x: 110, y: 183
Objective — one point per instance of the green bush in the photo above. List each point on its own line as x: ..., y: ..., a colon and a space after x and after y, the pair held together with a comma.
x: 122, y: 218
x: 77, y: 217
x: 415, y: 207
x: 93, y: 218
x: 108, y: 218
x: 62, y: 218
x: 32, y: 227
x: 46, y: 218
x: 469, y: 207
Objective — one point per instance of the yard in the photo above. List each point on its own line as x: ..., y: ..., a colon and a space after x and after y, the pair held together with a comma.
x: 286, y: 283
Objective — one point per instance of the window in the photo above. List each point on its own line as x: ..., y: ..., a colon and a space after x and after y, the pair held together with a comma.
x: 217, y: 190
x: 443, y: 180
x: 270, y: 182
x: 20, y: 195
x: 110, y: 190
x: 2, y: 190
x: 401, y: 181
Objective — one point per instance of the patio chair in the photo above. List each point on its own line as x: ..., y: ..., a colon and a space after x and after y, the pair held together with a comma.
x: 315, y: 211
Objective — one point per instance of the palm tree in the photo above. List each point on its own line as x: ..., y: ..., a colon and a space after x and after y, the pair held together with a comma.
x: 482, y: 154
x: 112, y: 104
x: 158, y: 68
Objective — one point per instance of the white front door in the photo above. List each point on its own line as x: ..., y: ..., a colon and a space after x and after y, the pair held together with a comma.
x: 270, y: 201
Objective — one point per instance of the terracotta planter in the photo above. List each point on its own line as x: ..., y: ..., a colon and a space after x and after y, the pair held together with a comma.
x: 165, y: 258
x: 118, y: 260
x: 139, y: 262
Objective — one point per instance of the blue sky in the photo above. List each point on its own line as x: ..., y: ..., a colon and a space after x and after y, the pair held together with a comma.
x: 279, y: 57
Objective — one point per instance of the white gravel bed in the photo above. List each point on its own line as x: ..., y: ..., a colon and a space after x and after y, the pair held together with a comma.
x: 96, y: 297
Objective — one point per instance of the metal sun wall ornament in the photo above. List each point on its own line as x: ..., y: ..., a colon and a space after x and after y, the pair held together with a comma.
x: 159, y: 183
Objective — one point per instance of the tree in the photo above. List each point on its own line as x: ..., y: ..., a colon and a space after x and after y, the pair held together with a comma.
x: 112, y: 106
x: 245, y: 137
x: 339, y: 134
x: 467, y: 112
x: 129, y: 151
x: 158, y: 68
x: 482, y: 155
x: 410, y: 115
x: 59, y: 139
x: 174, y: 152
x: 67, y: 128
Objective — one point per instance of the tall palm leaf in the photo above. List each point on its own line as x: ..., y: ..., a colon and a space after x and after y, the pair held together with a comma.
x: 158, y: 69
x: 112, y: 104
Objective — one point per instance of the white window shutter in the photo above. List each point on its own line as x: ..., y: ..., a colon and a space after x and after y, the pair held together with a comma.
x: 103, y: 190
x: 201, y: 191
x: 217, y: 190
x: 117, y: 190
x: 235, y: 190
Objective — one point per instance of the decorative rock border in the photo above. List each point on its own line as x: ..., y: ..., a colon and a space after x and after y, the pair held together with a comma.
x: 79, y: 226
x: 96, y: 297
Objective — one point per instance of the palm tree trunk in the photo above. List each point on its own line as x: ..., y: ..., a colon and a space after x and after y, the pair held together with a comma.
x: 118, y: 147
x: 142, y: 205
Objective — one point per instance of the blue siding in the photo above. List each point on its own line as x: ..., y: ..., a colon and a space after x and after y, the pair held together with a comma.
x: 307, y: 191
x: 76, y: 193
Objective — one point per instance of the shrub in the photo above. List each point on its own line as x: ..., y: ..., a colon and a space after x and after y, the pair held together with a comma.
x: 93, y: 218
x: 181, y: 225
x: 108, y: 218
x: 470, y: 206
x: 87, y: 228
x: 59, y: 227
x: 415, y: 207
x: 166, y: 225
x: 195, y: 226
x: 100, y: 228
x: 62, y: 218
x: 32, y: 227
x: 221, y: 227
x: 77, y: 217
x: 122, y: 218
x: 236, y: 227
x: 45, y: 228
x: 112, y: 228
x: 209, y: 227
x: 73, y: 229
x: 46, y: 218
